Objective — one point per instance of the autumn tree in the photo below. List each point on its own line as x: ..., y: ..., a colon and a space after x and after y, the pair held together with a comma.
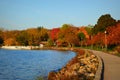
x: 118, y: 21
x: 10, y: 42
x: 43, y: 33
x: 81, y: 36
x: 54, y: 34
x: 71, y: 38
x: 1, y: 40
x: 50, y: 42
x: 68, y: 35
x: 1, y: 37
x: 22, y: 38
x: 114, y: 35
x: 36, y: 35
x: 97, y: 41
x: 10, y: 36
x: 103, y: 22
x: 89, y: 29
x: 33, y: 36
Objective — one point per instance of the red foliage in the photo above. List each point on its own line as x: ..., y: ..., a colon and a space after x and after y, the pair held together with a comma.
x: 114, y: 35
x: 83, y: 30
x: 98, y: 39
x: 54, y: 33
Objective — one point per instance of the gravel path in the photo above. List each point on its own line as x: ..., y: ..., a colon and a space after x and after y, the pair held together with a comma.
x: 111, y: 65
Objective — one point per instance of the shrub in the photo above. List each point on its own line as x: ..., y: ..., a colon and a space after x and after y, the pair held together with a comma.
x: 118, y: 49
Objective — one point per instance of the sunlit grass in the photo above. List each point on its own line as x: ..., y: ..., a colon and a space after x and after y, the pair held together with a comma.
x: 39, y: 78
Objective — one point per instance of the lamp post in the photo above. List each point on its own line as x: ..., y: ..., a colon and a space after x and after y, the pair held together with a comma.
x: 92, y: 42
x: 106, y: 40
x: 81, y: 41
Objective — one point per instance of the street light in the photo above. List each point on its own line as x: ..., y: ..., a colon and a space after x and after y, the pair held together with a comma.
x: 106, y: 40
x: 92, y: 42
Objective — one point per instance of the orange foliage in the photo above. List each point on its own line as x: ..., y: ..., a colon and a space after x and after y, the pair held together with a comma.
x: 114, y: 35
x: 99, y: 39
x: 68, y: 36
x: 83, y: 30
x: 10, y: 37
x: 9, y: 42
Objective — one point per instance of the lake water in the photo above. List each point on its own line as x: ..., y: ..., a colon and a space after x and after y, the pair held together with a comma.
x: 29, y: 64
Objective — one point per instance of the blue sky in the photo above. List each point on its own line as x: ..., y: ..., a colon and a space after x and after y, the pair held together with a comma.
x: 23, y: 14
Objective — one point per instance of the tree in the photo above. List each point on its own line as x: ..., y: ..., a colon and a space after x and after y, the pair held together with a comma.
x: 10, y: 42
x: 65, y: 26
x: 22, y: 38
x: 36, y: 35
x: 99, y: 39
x: 81, y: 36
x: 68, y: 35
x: 1, y: 37
x: 43, y: 33
x: 10, y: 36
x: 54, y: 33
x: 114, y: 35
x: 89, y: 29
x: 1, y: 41
x: 50, y: 42
x: 103, y: 22
x: 40, y: 28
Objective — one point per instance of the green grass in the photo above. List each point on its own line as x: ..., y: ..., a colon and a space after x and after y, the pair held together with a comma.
x: 118, y: 54
x: 109, y: 50
x: 39, y: 78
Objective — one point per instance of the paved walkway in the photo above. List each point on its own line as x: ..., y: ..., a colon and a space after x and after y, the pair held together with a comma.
x: 111, y: 65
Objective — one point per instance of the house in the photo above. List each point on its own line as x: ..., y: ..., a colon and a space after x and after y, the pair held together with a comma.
x: 42, y: 44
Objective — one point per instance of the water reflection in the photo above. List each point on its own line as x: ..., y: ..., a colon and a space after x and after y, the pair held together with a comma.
x: 28, y: 64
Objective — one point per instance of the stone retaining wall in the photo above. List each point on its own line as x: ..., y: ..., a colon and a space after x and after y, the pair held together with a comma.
x: 81, y: 67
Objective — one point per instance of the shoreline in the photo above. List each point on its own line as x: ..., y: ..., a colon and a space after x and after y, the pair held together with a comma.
x: 19, y: 47
x: 79, y: 55
x: 36, y: 48
x: 83, y: 66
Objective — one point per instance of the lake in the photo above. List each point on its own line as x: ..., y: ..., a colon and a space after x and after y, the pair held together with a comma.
x: 29, y: 64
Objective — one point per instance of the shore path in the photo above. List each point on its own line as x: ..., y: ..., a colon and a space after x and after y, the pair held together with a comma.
x: 111, y: 65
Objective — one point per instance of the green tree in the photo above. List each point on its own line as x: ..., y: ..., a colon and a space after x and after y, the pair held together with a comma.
x: 36, y: 35
x: 40, y: 28
x: 81, y: 36
x: 22, y: 38
x: 43, y: 33
x: 103, y: 22
x: 65, y: 26
x: 50, y: 42
x: 1, y: 38
x: 89, y: 29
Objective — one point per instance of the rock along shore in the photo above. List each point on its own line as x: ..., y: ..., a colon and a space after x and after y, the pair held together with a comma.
x: 82, y: 67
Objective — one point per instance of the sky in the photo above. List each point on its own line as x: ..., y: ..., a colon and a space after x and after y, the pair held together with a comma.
x: 23, y: 14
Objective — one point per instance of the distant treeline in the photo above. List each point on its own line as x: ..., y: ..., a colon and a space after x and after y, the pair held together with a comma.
x: 105, y: 32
